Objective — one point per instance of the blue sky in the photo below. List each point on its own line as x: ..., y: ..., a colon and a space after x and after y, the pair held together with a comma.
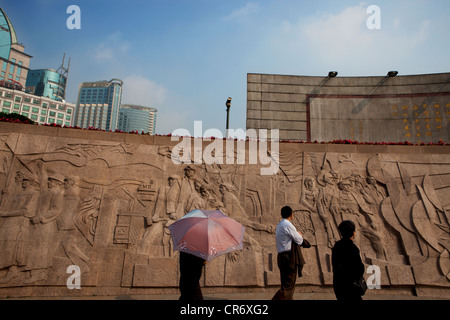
x: 185, y: 57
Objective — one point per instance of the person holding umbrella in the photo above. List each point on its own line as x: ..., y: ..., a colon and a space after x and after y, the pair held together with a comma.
x: 285, y: 235
x: 191, y: 268
x: 200, y: 236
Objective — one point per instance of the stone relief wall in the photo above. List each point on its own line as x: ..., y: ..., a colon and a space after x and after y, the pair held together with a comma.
x: 105, y: 207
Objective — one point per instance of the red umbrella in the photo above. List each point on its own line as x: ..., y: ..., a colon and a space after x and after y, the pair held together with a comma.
x: 207, y: 234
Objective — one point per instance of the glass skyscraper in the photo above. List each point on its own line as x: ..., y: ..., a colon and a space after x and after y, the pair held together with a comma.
x: 47, y: 83
x: 137, y: 118
x: 14, y: 62
x: 98, y: 104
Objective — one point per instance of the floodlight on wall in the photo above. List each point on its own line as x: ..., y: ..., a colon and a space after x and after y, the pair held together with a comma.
x: 392, y: 73
x: 332, y: 74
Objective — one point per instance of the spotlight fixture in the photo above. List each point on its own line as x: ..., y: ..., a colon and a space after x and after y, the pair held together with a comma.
x: 332, y: 74
x: 228, y: 103
x: 392, y: 73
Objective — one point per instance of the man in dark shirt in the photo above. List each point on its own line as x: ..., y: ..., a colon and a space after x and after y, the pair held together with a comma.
x: 347, y: 265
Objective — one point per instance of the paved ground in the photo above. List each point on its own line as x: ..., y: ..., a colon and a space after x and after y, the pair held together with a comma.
x: 233, y: 296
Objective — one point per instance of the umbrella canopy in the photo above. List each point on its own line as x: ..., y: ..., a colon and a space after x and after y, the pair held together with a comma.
x: 207, y: 234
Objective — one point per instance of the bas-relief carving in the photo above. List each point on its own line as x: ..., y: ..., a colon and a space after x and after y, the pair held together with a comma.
x: 106, y: 208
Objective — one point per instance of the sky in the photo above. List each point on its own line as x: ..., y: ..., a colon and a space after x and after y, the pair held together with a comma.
x: 186, y: 57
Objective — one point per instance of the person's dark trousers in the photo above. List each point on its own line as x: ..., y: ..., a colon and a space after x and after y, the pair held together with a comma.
x: 190, y: 272
x: 288, y: 276
x: 346, y: 292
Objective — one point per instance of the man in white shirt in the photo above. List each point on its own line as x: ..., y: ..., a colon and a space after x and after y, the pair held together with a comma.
x: 284, y: 235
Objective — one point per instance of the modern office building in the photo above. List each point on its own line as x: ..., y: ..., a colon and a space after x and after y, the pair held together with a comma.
x: 39, y: 109
x: 14, y: 62
x: 49, y: 83
x: 46, y: 83
x: 98, y: 104
x: 137, y: 118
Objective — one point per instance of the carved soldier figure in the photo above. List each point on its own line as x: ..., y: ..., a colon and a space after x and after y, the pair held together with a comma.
x: 195, y: 200
x: 41, y: 245
x: 163, y: 214
x: 326, y: 194
x: 15, y: 228
x: 346, y: 207
x: 66, y: 224
x: 187, y: 188
x: 233, y: 208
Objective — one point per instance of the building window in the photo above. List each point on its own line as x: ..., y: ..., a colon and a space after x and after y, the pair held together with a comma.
x: 35, y: 110
x: 16, y: 106
x: 42, y: 119
x: 43, y: 112
x: 6, y: 104
x: 52, y: 113
x: 26, y: 108
x: 50, y: 120
x: 59, y: 122
x: 44, y: 105
x: 26, y: 114
x: 60, y: 116
x: 5, y: 64
x: 34, y: 117
x: 68, y: 118
x: 5, y: 110
x: 18, y: 99
x: 69, y: 111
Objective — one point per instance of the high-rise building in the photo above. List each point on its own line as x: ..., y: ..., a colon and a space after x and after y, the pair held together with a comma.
x: 14, y: 62
x: 49, y: 83
x: 137, y: 118
x: 98, y: 104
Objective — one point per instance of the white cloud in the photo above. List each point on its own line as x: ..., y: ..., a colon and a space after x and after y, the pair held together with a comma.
x: 111, y: 49
x: 247, y: 10
x: 339, y: 34
x: 423, y: 33
x: 140, y: 90
x: 342, y: 39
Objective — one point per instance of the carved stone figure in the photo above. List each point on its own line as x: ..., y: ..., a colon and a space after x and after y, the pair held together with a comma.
x: 105, y: 205
x: 41, y: 244
x: 15, y: 229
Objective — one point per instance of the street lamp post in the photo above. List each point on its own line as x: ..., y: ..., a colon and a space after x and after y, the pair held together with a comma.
x: 228, y: 104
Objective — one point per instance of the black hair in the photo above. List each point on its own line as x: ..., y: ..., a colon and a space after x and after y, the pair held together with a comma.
x: 286, y: 212
x: 347, y: 228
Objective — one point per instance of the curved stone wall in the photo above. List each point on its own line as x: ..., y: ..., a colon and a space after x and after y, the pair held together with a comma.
x: 413, y: 108
x: 100, y: 201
